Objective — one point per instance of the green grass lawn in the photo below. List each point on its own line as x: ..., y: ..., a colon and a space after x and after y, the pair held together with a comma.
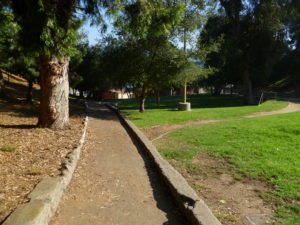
x: 203, y: 107
x: 264, y: 148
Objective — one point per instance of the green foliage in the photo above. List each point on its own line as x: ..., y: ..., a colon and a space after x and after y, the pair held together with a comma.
x: 25, y: 65
x: 286, y: 72
x: 243, y: 38
x: 148, y: 19
x: 12, y: 57
x: 195, y: 14
x: 190, y: 72
x: 50, y: 27
x: 144, y: 64
x: 8, y: 33
x: 87, y: 72
x: 149, y: 26
x: 75, y: 73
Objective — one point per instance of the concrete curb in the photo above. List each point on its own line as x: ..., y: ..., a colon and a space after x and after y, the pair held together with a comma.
x: 187, y: 199
x: 46, y: 196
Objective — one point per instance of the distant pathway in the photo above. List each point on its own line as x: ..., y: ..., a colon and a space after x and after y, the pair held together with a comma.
x: 292, y: 107
x: 114, y: 183
x: 157, y: 132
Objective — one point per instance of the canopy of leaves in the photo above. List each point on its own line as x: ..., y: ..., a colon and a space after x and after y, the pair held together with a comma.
x: 49, y: 27
x: 8, y: 33
x: 143, y: 64
x: 149, y: 18
x: 190, y: 72
x: 26, y: 65
x: 245, y: 36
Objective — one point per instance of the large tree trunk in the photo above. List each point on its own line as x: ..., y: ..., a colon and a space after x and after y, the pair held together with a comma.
x: 81, y: 94
x: 29, y: 90
x: 2, y: 86
x: 54, y: 105
x: 217, y: 89
x: 248, y: 95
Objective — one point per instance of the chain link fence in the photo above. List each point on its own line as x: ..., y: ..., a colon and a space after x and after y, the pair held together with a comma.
x: 293, y: 96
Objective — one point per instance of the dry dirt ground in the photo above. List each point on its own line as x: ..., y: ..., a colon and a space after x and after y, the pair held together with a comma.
x: 28, y: 153
x: 231, y: 200
x: 115, y: 183
x: 234, y: 202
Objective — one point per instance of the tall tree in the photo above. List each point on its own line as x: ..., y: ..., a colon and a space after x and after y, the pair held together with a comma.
x: 149, y: 25
x: 94, y: 79
x: 191, y: 21
x: 190, y: 72
x: 49, y: 28
x: 146, y: 66
x: 250, y: 39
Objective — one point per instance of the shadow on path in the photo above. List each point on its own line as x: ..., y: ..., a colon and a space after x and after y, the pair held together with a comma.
x: 161, y: 194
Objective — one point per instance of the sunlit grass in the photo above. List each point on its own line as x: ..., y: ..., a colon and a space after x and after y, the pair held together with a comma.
x: 204, y: 107
x: 8, y: 148
x: 265, y: 148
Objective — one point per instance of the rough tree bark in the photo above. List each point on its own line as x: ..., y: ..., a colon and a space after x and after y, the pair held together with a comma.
x: 157, y: 92
x: 217, y: 89
x: 81, y: 94
x: 1, y: 82
x: 142, y: 100
x: 54, y: 102
x: 29, y: 90
x: 248, y: 94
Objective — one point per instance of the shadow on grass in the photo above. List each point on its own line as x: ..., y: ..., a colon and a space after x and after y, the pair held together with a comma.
x: 171, y: 102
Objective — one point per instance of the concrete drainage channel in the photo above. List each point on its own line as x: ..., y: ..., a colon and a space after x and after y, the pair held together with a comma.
x: 45, y: 197
x: 194, y: 208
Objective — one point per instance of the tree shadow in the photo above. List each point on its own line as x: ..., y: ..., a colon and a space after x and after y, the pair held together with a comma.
x: 19, y: 108
x: 19, y: 126
x: 161, y: 193
x: 197, y: 101
x: 93, y: 111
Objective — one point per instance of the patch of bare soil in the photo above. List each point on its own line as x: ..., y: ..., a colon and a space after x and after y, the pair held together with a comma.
x: 28, y: 153
x: 234, y: 202
x: 157, y: 132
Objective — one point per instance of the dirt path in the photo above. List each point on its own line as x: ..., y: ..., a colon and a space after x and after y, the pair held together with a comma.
x: 292, y: 107
x: 157, y: 132
x: 115, y: 184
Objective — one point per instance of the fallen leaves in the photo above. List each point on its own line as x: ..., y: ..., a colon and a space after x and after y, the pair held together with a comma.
x: 28, y: 153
